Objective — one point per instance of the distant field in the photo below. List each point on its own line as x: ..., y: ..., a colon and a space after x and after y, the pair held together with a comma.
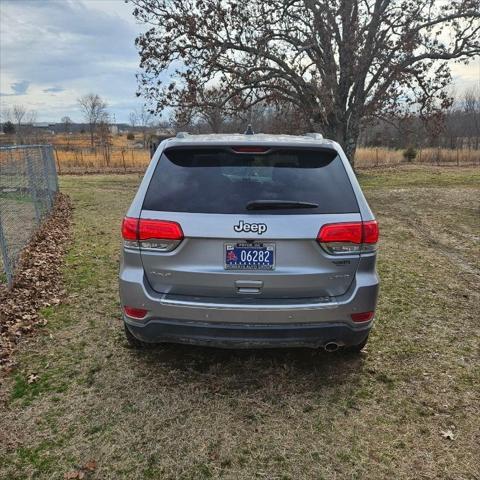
x: 129, y: 159
x: 407, y: 408
x: 98, y: 160
x: 373, y: 157
x: 78, y: 157
x: 75, y: 155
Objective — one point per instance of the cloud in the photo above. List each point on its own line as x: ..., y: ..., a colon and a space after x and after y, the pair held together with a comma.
x: 19, y: 88
x: 55, y: 89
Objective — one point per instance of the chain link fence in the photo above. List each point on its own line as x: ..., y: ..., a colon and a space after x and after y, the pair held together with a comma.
x: 28, y: 184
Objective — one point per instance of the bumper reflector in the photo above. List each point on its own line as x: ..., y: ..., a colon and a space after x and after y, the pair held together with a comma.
x: 137, y: 313
x: 362, y: 317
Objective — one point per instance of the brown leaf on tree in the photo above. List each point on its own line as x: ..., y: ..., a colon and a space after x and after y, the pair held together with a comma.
x: 336, y: 65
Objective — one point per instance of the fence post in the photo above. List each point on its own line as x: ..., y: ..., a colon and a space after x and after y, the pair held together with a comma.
x: 58, y: 162
x: 51, y: 171
x: 123, y: 158
x: 33, y: 186
x: 46, y: 175
x: 54, y: 170
x: 6, y: 263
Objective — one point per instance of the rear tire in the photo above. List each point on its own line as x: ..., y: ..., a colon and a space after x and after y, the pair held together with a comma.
x: 356, y: 348
x: 134, y: 342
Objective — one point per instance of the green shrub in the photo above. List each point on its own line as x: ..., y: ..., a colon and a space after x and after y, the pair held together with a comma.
x: 8, y: 128
x: 410, y: 154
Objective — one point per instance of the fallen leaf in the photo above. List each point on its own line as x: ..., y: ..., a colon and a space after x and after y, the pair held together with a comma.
x: 447, y: 434
x: 74, y: 475
x: 38, y: 281
x: 91, y: 465
x: 32, y: 378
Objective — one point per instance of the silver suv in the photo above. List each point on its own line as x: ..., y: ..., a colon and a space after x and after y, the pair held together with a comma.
x: 249, y: 241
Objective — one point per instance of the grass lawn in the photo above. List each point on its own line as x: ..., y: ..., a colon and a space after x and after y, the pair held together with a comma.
x: 408, y: 407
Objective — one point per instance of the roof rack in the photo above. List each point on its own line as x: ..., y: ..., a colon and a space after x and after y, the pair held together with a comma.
x: 182, y: 134
x: 315, y: 136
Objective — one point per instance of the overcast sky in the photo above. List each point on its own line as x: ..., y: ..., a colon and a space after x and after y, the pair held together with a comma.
x: 53, y: 51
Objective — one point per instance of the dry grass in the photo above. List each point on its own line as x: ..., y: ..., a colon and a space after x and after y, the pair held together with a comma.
x: 86, y: 160
x: 197, y: 413
x: 74, y: 154
x: 83, y: 140
x: 448, y: 156
x: 79, y: 158
x: 374, y: 157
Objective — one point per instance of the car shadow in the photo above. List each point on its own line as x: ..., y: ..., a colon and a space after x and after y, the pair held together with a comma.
x: 293, y: 370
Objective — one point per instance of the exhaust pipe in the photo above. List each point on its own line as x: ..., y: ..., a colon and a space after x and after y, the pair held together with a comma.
x: 331, y: 347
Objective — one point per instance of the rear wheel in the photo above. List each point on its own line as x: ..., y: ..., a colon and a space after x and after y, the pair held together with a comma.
x: 356, y: 348
x: 134, y: 341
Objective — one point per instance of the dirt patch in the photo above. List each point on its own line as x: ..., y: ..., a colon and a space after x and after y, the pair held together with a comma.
x: 38, y: 280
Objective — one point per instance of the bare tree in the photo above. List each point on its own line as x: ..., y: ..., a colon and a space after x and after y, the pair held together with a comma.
x: 338, y: 61
x: 24, y: 120
x: 471, y: 106
x: 144, y: 119
x: 31, y: 116
x: 105, y: 136
x: 210, y: 105
x: 6, y: 115
x: 67, y: 123
x: 133, y: 119
x: 212, y: 114
x: 94, y: 110
x: 18, y: 113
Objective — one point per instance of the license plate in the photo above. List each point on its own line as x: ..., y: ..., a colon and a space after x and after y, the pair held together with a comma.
x: 249, y: 256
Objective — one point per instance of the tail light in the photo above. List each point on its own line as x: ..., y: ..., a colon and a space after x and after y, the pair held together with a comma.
x: 349, y: 238
x: 161, y: 235
x: 137, y: 313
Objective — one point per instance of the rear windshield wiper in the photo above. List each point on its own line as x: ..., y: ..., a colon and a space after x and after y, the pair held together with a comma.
x: 278, y: 204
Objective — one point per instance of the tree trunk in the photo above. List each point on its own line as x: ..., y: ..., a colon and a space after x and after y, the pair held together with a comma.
x: 350, y: 149
x: 345, y: 134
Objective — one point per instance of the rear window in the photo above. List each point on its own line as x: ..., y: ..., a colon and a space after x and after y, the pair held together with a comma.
x: 222, y: 181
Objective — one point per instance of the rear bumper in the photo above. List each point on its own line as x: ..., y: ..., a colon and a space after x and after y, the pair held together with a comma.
x: 227, y: 335
x: 249, y: 321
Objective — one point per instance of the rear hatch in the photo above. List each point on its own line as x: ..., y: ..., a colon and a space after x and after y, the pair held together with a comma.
x: 250, y: 217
